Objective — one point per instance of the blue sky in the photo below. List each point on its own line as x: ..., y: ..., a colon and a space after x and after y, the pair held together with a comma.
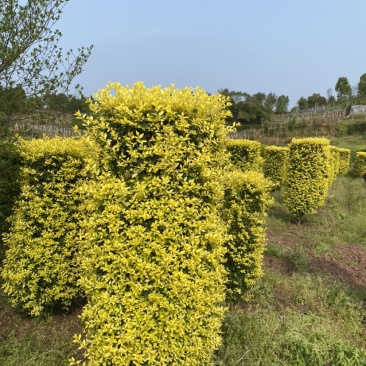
x: 289, y: 47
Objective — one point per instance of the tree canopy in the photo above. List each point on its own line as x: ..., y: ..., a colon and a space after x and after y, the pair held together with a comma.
x: 31, y: 62
x: 343, y: 88
x: 256, y: 108
x: 361, y: 86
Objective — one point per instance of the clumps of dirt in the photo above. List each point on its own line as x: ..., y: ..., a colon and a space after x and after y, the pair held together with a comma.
x: 347, y: 264
x: 280, y: 265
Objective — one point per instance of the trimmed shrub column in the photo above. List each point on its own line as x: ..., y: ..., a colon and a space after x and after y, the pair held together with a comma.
x: 308, y: 173
x: 246, y: 154
x: 40, y: 270
x: 153, y: 247
x: 360, y: 163
x: 247, y: 197
x: 275, y: 164
x: 344, y: 160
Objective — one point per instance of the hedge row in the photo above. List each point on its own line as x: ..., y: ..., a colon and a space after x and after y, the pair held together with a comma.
x: 246, y: 155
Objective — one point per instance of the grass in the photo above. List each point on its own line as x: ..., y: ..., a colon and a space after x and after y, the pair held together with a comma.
x: 308, y: 309
x: 302, y: 320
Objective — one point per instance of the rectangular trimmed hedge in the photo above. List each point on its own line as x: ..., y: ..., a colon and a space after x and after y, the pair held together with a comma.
x: 40, y: 270
x: 308, y: 175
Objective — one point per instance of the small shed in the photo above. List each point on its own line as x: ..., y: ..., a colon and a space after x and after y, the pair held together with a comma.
x: 357, y: 109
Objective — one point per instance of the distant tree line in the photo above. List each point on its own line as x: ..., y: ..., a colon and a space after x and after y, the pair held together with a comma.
x: 255, y: 108
x: 15, y: 101
x: 261, y: 107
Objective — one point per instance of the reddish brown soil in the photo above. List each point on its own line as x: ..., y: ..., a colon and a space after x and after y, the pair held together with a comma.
x: 347, y: 263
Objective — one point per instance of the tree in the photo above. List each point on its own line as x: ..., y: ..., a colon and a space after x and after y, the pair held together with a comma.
x: 30, y: 58
x: 282, y: 104
x: 302, y: 104
x: 316, y: 100
x: 331, y: 100
x: 362, y: 86
x: 270, y: 101
x: 343, y: 88
x: 260, y: 97
x: 12, y: 100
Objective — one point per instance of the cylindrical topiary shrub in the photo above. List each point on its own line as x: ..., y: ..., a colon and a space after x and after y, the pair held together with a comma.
x: 246, y: 154
x: 308, y: 172
x: 40, y: 271
x: 360, y: 163
x: 275, y: 164
x: 344, y: 160
x: 247, y: 197
x: 153, y: 247
x: 333, y: 164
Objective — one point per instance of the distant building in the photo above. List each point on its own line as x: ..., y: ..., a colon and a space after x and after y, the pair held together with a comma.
x: 357, y: 109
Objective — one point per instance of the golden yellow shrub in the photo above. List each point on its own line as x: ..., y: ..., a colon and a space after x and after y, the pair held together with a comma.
x: 153, y: 242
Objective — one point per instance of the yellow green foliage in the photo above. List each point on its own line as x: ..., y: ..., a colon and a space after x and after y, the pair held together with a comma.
x: 246, y: 154
x: 333, y: 164
x: 152, y: 277
x: 360, y: 163
x: 39, y: 269
x: 307, y: 175
x: 247, y: 197
x: 275, y: 164
x: 153, y: 242
x: 344, y: 159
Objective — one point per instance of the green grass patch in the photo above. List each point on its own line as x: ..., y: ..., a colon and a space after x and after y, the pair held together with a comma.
x: 298, y: 320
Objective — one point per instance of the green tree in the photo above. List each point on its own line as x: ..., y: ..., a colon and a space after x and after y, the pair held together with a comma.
x: 316, y: 100
x: 260, y: 97
x: 331, y: 100
x: 282, y: 104
x: 302, y: 104
x: 12, y: 100
x: 343, y: 88
x: 270, y: 101
x: 30, y: 58
x: 251, y: 111
x: 362, y: 86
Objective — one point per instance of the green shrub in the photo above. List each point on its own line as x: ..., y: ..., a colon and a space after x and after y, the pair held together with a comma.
x: 307, y: 175
x: 333, y: 164
x: 9, y: 185
x: 362, y: 149
x: 360, y: 163
x: 247, y: 197
x: 246, y: 154
x: 39, y: 270
x: 153, y: 246
x: 275, y: 164
x: 344, y: 160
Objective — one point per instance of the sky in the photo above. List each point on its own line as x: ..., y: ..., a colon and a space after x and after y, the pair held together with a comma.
x: 294, y: 48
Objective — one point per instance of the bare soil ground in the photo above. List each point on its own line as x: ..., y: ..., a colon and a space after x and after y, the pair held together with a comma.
x: 347, y: 262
